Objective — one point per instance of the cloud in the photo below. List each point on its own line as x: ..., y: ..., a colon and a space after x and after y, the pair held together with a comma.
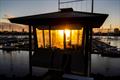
x: 5, y: 20
x: 8, y: 16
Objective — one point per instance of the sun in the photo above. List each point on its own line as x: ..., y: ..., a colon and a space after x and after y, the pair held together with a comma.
x: 67, y: 33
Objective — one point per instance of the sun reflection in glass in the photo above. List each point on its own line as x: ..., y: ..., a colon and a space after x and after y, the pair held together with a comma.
x: 72, y: 38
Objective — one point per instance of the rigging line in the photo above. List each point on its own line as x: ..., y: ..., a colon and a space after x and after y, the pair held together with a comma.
x: 71, y: 1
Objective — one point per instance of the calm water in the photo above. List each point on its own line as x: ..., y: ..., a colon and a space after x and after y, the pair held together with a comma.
x: 15, y: 63
x: 106, y: 65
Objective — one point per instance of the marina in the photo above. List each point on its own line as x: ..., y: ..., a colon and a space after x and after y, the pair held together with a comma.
x: 63, y: 48
x: 72, y: 40
x: 105, y: 49
x: 100, y: 46
x: 10, y: 63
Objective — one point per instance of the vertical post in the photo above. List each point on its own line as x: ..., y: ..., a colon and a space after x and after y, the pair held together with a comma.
x: 92, y: 6
x: 43, y: 38
x: 86, y: 50
x: 58, y: 4
x: 35, y: 38
x: 90, y: 49
x: 30, y: 50
x: 77, y: 37
x: 83, y: 40
x: 49, y: 38
x: 90, y: 42
x: 51, y: 52
x: 64, y: 58
x: 70, y: 37
x: 64, y: 40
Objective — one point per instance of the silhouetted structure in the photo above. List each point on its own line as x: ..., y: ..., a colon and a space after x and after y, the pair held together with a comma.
x: 62, y: 39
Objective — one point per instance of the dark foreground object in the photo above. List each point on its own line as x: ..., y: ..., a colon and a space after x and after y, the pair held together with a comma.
x: 56, y: 75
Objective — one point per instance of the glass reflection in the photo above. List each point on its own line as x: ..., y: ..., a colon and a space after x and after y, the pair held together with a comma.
x: 55, y: 38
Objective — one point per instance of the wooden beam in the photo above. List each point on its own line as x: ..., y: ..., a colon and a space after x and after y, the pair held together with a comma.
x: 70, y: 38
x: 30, y: 51
x: 43, y: 38
x: 64, y: 40
x: 77, y: 36
x: 86, y: 49
x: 49, y: 37
x: 35, y: 38
x: 90, y: 49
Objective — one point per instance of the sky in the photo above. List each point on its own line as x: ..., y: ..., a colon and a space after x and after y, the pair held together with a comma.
x: 18, y: 8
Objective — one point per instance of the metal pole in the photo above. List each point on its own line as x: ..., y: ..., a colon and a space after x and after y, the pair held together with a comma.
x: 58, y: 4
x: 92, y: 6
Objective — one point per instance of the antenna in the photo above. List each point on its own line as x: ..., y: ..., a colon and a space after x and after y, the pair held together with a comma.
x: 58, y: 4
x: 67, y: 2
x: 92, y: 6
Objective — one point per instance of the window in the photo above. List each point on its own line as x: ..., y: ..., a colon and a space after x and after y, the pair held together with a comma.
x: 55, y: 38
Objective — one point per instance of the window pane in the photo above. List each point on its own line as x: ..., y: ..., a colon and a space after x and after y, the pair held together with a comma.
x: 57, y: 38
x: 80, y: 36
x: 39, y: 38
x: 76, y: 37
x: 46, y: 35
x: 73, y: 38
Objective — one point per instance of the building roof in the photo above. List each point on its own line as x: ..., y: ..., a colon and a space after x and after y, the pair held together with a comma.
x: 65, y: 16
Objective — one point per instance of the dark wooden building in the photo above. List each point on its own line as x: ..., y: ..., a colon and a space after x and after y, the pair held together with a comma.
x: 62, y: 39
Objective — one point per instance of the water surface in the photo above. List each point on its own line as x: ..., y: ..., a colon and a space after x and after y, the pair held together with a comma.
x: 16, y: 63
